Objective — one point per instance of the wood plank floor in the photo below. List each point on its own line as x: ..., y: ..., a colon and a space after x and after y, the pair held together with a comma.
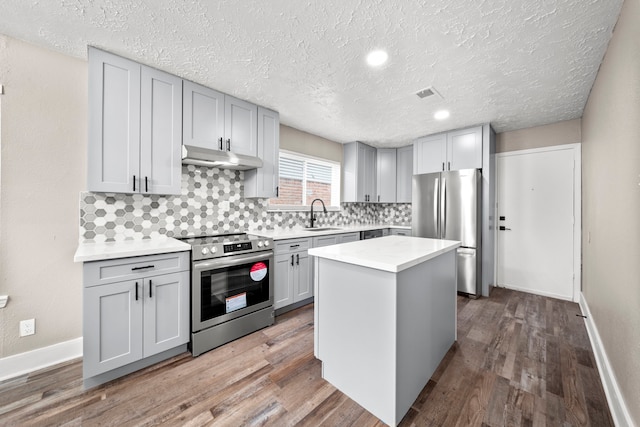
x: 520, y: 360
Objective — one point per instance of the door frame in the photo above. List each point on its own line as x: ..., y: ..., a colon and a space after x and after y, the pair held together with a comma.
x: 576, y: 148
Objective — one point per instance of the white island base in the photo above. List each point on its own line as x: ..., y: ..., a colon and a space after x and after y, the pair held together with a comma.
x: 381, y: 334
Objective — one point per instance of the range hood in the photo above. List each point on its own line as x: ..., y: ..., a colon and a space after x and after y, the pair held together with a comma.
x: 192, y: 155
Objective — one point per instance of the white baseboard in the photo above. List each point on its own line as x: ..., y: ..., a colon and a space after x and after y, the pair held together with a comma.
x: 619, y: 411
x: 40, y: 358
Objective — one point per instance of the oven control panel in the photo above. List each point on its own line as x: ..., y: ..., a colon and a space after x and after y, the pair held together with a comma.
x: 235, y: 247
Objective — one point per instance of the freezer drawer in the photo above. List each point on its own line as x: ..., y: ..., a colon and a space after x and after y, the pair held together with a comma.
x: 468, y: 271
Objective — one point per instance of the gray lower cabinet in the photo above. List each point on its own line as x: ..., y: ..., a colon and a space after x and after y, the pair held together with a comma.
x: 134, y: 308
x: 135, y: 127
x: 400, y: 232
x: 292, y: 272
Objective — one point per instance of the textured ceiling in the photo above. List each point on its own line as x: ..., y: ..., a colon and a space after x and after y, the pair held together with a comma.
x: 513, y: 63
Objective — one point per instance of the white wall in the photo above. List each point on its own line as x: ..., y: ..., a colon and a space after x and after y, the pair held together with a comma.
x: 611, y: 204
x: 42, y: 170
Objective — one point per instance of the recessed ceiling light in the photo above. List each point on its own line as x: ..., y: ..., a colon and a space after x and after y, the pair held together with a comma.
x: 441, y: 115
x: 377, y: 57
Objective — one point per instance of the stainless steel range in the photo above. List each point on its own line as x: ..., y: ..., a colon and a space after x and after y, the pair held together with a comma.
x: 231, y: 288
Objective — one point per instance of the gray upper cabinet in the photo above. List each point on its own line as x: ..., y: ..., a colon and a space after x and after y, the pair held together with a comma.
x: 203, y: 116
x: 160, y: 133
x: 217, y: 121
x: 263, y: 182
x: 464, y: 148
x: 135, y: 122
x: 359, y: 172
x: 455, y: 150
x: 386, y: 175
x: 404, y: 169
x: 240, y: 123
x: 430, y: 154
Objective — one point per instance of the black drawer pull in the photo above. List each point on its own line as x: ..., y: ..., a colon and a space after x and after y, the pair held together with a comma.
x: 142, y: 268
x: 136, y: 291
x: 291, y: 260
x: 297, y: 259
x: 150, y: 289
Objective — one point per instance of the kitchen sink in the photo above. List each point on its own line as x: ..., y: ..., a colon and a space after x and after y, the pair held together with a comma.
x: 321, y: 228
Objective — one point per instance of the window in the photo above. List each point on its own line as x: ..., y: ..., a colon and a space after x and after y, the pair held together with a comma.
x: 304, y: 178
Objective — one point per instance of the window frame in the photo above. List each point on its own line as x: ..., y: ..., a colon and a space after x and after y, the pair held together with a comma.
x: 336, y: 178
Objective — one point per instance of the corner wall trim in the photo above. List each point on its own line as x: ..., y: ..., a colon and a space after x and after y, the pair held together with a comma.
x: 23, y: 363
x: 619, y: 411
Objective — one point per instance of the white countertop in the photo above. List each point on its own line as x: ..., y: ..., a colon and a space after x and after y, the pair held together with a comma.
x: 295, y: 233
x: 389, y: 253
x: 128, y: 248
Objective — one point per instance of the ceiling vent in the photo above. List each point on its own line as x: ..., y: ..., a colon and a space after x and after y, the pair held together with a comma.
x: 428, y: 92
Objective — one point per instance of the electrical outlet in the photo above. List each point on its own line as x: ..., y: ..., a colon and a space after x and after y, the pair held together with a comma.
x: 27, y: 327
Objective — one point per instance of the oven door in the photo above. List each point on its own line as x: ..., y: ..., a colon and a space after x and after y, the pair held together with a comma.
x: 225, y: 288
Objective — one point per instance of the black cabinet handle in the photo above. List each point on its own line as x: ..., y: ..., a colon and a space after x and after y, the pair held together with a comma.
x: 146, y: 185
x: 297, y: 259
x: 291, y: 260
x: 449, y: 165
x: 503, y: 228
x: 220, y: 140
x: 150, y: 289
x: 228, y: 144
x: 136, y: 291
x: 142, y: 268
x: 378, y: 197
x: 134, y: 183
x: 277, y: 191
x: 442, y: 165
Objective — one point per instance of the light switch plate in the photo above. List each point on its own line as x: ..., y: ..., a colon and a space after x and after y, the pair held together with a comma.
x: 27, y: 327
x: 3, y: 300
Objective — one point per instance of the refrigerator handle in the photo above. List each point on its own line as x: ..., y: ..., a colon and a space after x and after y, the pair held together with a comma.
x: 443, y: 209
x: 436, y: 203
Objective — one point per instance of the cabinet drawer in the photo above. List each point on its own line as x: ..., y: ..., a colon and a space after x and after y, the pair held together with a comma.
x: 286, y: 246
x: 117, y: 270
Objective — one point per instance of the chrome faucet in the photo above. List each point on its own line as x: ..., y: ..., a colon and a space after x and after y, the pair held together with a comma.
x: 313, y: 217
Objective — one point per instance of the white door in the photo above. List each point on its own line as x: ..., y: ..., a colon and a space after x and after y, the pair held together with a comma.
x: 538, y: 241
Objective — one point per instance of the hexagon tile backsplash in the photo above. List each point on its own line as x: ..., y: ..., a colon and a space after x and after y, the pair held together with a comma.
x: 211, y: 202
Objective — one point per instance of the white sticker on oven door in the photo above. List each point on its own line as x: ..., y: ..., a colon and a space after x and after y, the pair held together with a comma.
x: 236, y: 302
x: 258, y: 271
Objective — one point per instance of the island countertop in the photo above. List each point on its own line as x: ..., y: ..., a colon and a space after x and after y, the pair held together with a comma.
x: 389, y: 253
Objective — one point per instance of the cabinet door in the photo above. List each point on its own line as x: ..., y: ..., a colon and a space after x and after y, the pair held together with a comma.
x: 321, y: 241
x: 404, y: 169
x: 114, y: 123
x: 464, y: 149
x: 112, y: 335
x: 430, y: 154
x: 263, y: 182
x: 303, y: 288
x: 240, y: 126
x: 160, y: 133
x: 203, y: 116
x: 348, y: 237
x: 366, y: 173
x: 283, y: 280
x: 166, y: 312
x: 386, y: 175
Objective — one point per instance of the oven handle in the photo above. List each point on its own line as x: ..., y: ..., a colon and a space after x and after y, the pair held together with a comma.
x: 231, y: 261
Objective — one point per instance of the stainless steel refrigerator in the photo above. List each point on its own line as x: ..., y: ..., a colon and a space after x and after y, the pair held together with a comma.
x: 448, y: 205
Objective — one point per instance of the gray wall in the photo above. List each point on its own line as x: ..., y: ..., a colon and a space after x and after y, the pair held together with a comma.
x: 42, y: 170
x: 567, y: 132
x: 611, y: 204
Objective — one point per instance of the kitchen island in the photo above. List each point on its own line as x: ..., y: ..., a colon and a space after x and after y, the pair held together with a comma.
x: 385, y: 316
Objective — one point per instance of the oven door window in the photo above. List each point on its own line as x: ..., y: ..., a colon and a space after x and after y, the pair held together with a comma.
x: 229, y: 289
